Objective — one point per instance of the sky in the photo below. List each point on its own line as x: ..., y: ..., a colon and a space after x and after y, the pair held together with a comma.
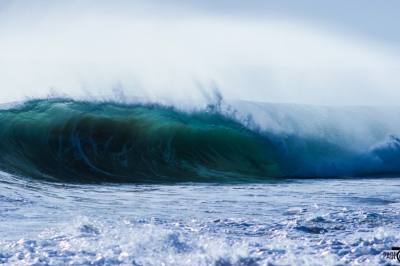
x: 303, y: 51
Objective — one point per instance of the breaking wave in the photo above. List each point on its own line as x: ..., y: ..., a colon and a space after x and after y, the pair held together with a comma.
x: 82, y: 141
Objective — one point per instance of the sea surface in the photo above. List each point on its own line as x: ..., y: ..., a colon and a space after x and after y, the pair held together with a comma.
x: 106, y: 183
x: 285, y: 222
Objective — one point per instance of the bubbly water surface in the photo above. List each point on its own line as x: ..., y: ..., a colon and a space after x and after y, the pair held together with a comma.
x: 290, y: 222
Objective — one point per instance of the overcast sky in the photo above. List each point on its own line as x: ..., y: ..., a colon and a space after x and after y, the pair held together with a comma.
x: 375, y: 19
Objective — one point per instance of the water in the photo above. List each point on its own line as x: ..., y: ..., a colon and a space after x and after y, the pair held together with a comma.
x: 105, y: 183
x: 92, y: 141
x: 287, y: 222
x: 215, y: 133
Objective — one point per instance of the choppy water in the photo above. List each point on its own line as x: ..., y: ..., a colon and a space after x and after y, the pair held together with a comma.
x: 290, y: 222
x: 101, y: 183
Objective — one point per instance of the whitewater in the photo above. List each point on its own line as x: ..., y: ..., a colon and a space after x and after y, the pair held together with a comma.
x: 107, y: 183
x: 137, y: 133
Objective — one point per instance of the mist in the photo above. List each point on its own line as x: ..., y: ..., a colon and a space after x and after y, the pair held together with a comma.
x: 168, y: 56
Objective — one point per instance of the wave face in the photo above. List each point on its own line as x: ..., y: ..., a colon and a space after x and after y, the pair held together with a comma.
x: 66, y: 140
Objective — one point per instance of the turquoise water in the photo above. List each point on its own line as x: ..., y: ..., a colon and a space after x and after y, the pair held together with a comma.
x: 92, y: 142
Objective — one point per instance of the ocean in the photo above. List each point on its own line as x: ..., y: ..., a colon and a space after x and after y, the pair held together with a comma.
x: 103, y: 183
x: 288, y: 222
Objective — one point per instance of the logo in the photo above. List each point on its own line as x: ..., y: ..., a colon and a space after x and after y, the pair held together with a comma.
x: 393, y: 254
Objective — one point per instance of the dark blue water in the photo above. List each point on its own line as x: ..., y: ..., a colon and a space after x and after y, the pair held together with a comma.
x: 290, y: 222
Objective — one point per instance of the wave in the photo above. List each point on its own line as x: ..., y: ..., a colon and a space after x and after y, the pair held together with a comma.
x: 82, y: 141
